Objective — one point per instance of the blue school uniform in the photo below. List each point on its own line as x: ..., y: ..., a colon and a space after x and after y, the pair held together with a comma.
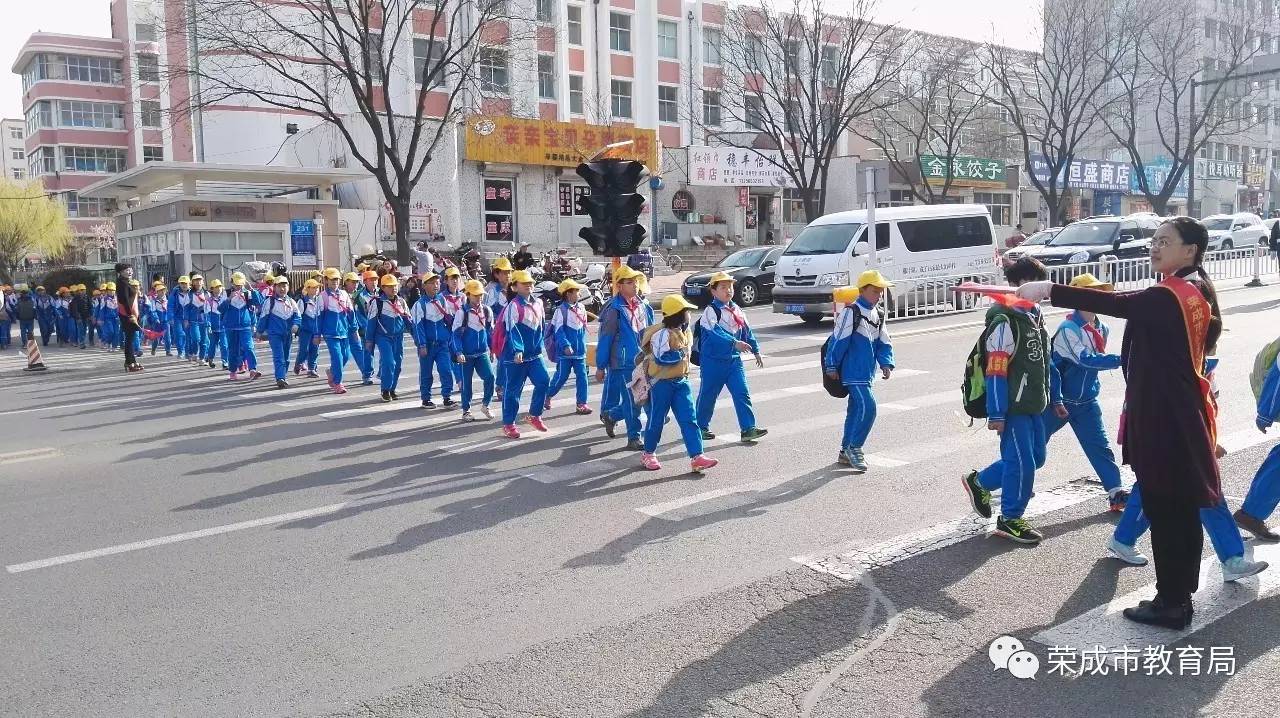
x: 569, y: 332
x: 670, y: 348
x: 8, y: 315
x: 721, y: 326
x: 472, y: 329
x: 334, y: 320
x: 278, y: 318
x: 433, y: 336
x: 387, y: 321
x: 522, y: 322
x: 239, y: 314
x: 859, y: 344
x: 1264, y: 492
x: 495, y: 297
x: 216, y: 344
x: 618, y: 347
x: 178, y: 303
x: 308, y: 352
x: 197, y: 327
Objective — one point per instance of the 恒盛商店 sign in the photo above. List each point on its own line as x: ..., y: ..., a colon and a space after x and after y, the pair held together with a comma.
x: 524, y: 141
x: 736, y: 167
x: 963, y: 171
x: 1086, y: 174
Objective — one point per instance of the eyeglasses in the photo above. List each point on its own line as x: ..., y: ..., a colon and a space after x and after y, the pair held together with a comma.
x: 1161, y: 243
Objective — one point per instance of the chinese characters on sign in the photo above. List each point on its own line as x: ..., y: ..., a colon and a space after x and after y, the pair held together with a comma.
x: 744, y: 196
x: 963, y: 171
x: 1087, y: 174
x: 499, y: 209
x: 1255, y: 175
x: 524, y: 141
x: 1068, y: 662
x: 302, y: 243
x: 1218, y: 169
x: 736, y: 167
x: 682, y: 202
x: 1157, y: 174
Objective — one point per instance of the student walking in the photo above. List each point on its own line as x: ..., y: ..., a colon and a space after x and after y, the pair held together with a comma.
x: 216, y: 344
x: 1264, y: 492
x: 433, y: 336
x: 333, y: 318
x: 278, y: 321
x: 388, y: 318
x: 568, y: 341
x: 666, y: 352
x: 522, y: 353
x: 356, y: 321
x: 179, y: 300
x: 859, y: 345
x: 472, y: 330
x: 239, y: 312
x: 495, y: 297
x: 308, y: 330
x: 622, y: 323
x: 24, y: 311
x: 8, y: 315
x: 722, y: 334
x: 196, y: 322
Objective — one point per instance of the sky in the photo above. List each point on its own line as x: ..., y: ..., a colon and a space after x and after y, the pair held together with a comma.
x: 1012, y: 22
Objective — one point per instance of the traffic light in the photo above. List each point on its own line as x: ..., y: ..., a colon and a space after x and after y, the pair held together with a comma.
x: 614, y: 206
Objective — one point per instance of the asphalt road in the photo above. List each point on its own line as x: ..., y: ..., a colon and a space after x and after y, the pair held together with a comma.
x: 177, y: 544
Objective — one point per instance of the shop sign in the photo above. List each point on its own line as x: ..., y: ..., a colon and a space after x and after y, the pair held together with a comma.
x: 1218, y: 169
x: 302, y: 242
x: 524, y: 141
x: 736, y: 167
x: 1086, y: 174
x: 232, y: 212
x: 1255, y: 175
x: 744, y: 196
x: 683, y: 202
x: 1157, y: 173
x: 963, y: 171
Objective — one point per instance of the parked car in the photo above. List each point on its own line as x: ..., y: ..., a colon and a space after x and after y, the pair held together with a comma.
x: 1031, y: 246
x: 752, y: 271
x: 1228, y: 231
x: 1080, y: 246
x: 1269, y: 224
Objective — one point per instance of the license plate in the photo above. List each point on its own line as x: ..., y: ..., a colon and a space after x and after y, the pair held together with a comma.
x: 795, y: 309
x: 692, y: 291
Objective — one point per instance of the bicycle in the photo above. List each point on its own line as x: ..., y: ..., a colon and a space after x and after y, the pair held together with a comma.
x: 671, y: 259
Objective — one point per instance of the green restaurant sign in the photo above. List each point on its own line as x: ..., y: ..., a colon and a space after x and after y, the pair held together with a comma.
x: 963, y: 171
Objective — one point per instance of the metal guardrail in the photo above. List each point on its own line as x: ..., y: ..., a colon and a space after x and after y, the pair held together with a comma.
x: 934, y: 296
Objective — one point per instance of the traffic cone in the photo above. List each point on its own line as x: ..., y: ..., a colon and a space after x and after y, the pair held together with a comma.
x: 34, y: 361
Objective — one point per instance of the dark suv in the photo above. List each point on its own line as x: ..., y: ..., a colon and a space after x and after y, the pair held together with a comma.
x: 1080, y: 246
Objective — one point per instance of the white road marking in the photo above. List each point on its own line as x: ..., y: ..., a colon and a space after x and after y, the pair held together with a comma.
x: 17, y: 457
x: 849, y: 562
x: 74, y: 405
x: 172, y: 538
x: 1107, y: 627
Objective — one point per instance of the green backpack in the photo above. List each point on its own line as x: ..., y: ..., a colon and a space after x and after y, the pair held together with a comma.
x: 1261, y: 366
x: 973, y: 392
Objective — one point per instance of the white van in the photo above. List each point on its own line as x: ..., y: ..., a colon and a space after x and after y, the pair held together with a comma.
x: 913, y: 244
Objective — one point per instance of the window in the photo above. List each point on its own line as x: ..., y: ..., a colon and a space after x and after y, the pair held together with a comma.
x: 792, y: 58
x: 144, y: 32
x: 710, y: 108
x: 755, y: 58
x: 40, y: 115
x: 791, y: 119
x: 99, y: 115
x: 18, y: 153
x: 619, y: 32
x: 150, y: 113
x: 573, y: 14
x: 620, y: 98
x: 152, y: 154
x: 78, y: 206
x: 373, y: 56
x: 544, y: 10
x: 427, y: 57
x: 103, y: 160
x: 19, y: 173
x: 1233, y: 153
x: 546, y: 77
x: 42, y: 162
x: 15, y: 133
x: 668, y: 39
x: 711, y: 39
x: 828, y: 65
x: 668, y: 97
x: 999, y: 204
x: 753, y: 106
x: 79, y: 68
x: 793, y: 207
x: 148, y: 67
x: 575, y: 94
x: 929, y: 235
x: 1208, y: 28
x: 901, y: 198
x: 499, y: 209
x: 494, y: 76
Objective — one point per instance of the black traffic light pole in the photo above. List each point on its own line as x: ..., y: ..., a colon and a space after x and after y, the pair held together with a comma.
x: 614, y: 205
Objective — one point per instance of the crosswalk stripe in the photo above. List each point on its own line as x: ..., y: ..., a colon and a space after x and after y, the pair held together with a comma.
x: 16, y: 457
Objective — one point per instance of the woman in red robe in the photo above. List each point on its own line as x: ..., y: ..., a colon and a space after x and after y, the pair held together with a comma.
x: 1168, y: 428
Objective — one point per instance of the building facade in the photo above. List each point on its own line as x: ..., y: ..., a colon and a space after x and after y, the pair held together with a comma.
x: 13, y: 149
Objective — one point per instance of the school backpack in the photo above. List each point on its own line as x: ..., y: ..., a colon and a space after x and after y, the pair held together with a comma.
x: 498, y: 341
x: 974, y: 389
x: 835, y: 387
x: 549, y: 345
x: 695, y: 353
x: 641, y: 382
x: 1261, y: 366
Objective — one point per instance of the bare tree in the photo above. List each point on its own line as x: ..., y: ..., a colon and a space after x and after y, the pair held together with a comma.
x: 939, y: 107
x: 1054, y: 100
x: 793, y: 78
x: 343, y: 62
x: 1152, y: 116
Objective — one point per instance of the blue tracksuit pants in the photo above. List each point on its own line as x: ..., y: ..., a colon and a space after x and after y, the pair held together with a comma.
x: 6, y: 329
x: 437, y: 360
x: 180, y: 337
x: 1264, y: 492
x: 196, y: 337
x: 82, y: 333
x: 216, y: 346
x: 536, y: 372
x: 308, y: 352
x: 167, y: 328
x: 280, y: 346
x: 1086, y: 422
x: 46, y: 328
x: 674, y: 396
x: 716, y: 375
x: 616, y: 400
x: 1217, y: 521
x: 390, y: 360
x: 339, y: 355
x: 355, y: 350
x: 577, y: 366
x: 240, y: 350
x: 1014, y: 474
x: 858, y: 417
x: 477, y: 365
x: 26, y: 331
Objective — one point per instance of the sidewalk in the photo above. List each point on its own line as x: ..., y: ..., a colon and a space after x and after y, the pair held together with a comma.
x: 661, y: 287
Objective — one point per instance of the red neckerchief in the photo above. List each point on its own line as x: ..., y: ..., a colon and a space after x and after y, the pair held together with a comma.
x: 395, y: 305
x: 1099, y: 341
x: 738, y: 318
x: 638, y: 324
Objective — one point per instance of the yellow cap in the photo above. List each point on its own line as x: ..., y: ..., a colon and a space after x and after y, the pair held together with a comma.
x: 332, y: 273
x: 63, y: 290
x: 311, y: 284
x: 111, y: 287
x: 521, y: 276
x: 388, y: 280
x: 1088, y: 281
x: 719, y: 277
x: 473, y: 287
x: 362, y: 266
x: 625, y: 273
x: 40, y: 287
x: 101, y: 287
x: 194, y: 277
x: 452, y: 272
x: 316, y: 273
x: 502, y: 264
x: 280, y: 280
x: 428, y: 276
x: 215, y: 284
x: 184, y: 279
x: 872, y: 278
x: 569, y: 284
x: 845, y: 295
x: 134, y: 283
x: 369, y: 274
x: 673, y: 304
x: 237, y: 278
x: 351, y: 277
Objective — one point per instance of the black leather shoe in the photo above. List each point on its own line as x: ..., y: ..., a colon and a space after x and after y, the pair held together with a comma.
x: 1159, y: 613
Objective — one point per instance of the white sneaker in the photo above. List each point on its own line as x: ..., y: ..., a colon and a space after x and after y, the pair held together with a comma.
x: 1237, y: 568
x: 486, y: 412
x: 466, y: 416
x: 1128, y: 554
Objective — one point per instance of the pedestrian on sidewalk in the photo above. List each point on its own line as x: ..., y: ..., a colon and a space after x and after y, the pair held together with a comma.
x: 622, y: 324
x: 111, y: 317
x: 308, y: 330
x: 216, y: 345
x: 356, y: 320
x: 1079, y: 354
x: 522, y: 353
x: 1168, y: 427
x: 239, y: 312
x: 130, y: 318
x: 388, y: 319
x: 569, y: 344
x: 197, y: 326
x: 278, y: 321
x: 82, y: 315
x: 495, y: 297
x: 179, y: 301
x: 859, y: 344
x: 333, y: 317
x: 666, y: 357
x: 451, y: 292
x: 24, y: 311
x: 722, y: 334
x: 1019, y: 388
x: 44, y: 314
x: 472, y: 329
x: 433, y: 336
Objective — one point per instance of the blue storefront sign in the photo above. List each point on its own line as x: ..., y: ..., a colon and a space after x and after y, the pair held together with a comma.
x: 1086, y: 174
x: 302, y: 243
x: 1157, y: 172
